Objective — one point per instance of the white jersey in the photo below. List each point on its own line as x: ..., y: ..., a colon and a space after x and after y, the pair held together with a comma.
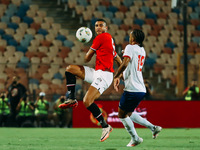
x: 133, y: 78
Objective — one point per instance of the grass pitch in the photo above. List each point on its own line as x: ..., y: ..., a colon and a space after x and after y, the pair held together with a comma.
x: 88, y: 139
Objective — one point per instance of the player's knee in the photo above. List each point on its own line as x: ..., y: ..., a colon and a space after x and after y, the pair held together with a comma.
x: 122, y: 115
x: 119, y: 115
x: 69, y: 68
x: 86, y: 102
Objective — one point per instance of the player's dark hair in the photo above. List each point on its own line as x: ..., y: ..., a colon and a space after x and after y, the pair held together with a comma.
x: 138, y: 36
x: 102, y: 20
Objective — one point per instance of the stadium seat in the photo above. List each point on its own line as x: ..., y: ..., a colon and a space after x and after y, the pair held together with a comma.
x: 155, y: 9
x: 68, y: 43
x: 145, y: 9
x: 50, y: 37
x: 41, y: 13
x: 112, y: 9
x: 64, y: 32
x: 58, y: 76
x: 38, y: 20
x: 34, y: 7
x: 46, y: 60
x: 10, y: 31
x: 141, y: 15
x: 176, y: 10
x: 35, y: 26
x: 79, y: 9
x: 15, y: 19
x: 44, y: 32
x: 134, y: 9
x: 119, y: 15
x: 149, y: 3
x: 140, y: 22
x: 151, y: 15
x: 12, y: 42
x: 138, y: 3
x: 156, y: 50
x: 192, y: 4
x: 56, y: 26
x: 82, y: 2
x: 3, y: 25
x: 101, y: 8
x: 150, y: 62
x: 27, y: 2
x: 127, y: 3
x: 97, y: 14
x: 162, y: 15
x: 31, y: 31
x: 5, y: 19
x: 91, y: 7
x: 196, y: 39
x: 28, y: 20
x: 105, y: 3
x: 63, y: 53
x: 117, y: 21
x: 49, y: 20
x: 94, y: 3
x: 108, y: 14
x: 23, y: 63
x: 18, y: 55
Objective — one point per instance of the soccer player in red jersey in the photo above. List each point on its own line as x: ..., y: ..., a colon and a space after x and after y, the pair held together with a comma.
x: 100, y: 78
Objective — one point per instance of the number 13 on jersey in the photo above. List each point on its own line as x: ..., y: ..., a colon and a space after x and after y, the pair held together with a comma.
x: 140, y: 62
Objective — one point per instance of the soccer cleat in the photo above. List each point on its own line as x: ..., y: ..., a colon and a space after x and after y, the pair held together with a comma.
x: 105, y: 133
x: 134, y: 143
x: 69, y: 103
x: 156, y: 130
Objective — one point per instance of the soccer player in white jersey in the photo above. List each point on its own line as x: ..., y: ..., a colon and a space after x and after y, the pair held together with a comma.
x: 134, y: 91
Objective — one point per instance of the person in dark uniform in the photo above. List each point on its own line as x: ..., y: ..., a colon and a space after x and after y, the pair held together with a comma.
x: 16, y: 91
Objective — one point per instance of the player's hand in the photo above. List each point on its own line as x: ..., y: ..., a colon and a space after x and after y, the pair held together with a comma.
x: 116, y: 84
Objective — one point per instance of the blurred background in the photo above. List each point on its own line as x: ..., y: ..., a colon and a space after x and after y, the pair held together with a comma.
x: 37, y: 42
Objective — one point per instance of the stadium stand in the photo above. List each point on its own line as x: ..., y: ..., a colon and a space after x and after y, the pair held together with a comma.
x: 36, y: 37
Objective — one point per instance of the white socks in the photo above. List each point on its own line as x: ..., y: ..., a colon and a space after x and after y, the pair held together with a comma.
x: 138, y: 119
x: 129, y: 126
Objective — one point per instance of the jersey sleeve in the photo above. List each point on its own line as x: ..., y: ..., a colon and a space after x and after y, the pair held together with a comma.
x: 114, y: 54
x: 96, y: 43
x: 128, y: 51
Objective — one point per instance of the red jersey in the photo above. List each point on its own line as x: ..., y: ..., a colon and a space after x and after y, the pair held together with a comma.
x: 104, y: 47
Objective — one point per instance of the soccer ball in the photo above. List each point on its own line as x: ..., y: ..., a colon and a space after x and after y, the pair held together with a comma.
x: 84, y: 34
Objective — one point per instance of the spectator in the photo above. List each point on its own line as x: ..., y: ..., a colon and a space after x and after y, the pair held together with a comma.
x: 4, y: 109
x: 192, y: 91
x: 26, y: 117
x: 62, y: 117
x: 41, y: 110
x: 16, y: 91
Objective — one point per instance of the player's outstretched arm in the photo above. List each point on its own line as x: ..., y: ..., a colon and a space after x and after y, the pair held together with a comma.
x: 89, y: 55
x: 122, y: 67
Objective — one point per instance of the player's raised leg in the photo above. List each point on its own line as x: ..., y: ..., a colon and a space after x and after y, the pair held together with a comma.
x: 71, y: 72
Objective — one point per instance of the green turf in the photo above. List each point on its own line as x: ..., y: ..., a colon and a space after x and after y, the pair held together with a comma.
x: 88, y: 139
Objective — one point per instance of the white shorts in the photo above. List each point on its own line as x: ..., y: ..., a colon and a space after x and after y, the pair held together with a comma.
x: 99, y: 79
